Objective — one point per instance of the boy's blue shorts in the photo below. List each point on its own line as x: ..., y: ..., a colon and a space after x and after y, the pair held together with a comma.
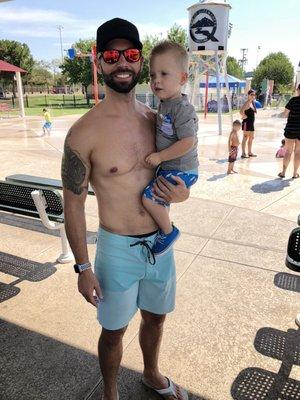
x: 47, y: 125
x: 129, y: 281
x: 189, y: 178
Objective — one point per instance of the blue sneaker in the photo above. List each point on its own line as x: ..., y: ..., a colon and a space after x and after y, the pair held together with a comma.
x: 163, y: 243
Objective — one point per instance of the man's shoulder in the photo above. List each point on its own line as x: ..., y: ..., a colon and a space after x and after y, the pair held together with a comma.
x: 86, y: 124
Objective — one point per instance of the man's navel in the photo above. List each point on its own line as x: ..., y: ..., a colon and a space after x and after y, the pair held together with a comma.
x: 113, y: 170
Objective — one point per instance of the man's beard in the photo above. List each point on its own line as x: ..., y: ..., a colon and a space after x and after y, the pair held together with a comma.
x: 121, y: 87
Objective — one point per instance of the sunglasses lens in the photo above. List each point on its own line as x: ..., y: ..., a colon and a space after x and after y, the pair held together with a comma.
x: 111, y: 56
x: 132, y: 55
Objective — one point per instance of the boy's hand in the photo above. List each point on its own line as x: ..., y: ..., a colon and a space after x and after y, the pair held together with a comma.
x: 153, y: 159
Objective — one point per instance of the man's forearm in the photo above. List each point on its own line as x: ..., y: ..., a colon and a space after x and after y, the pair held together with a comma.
x: 75, y: 225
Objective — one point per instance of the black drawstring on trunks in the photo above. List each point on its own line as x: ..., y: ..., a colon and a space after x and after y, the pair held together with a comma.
x: 150, y: 254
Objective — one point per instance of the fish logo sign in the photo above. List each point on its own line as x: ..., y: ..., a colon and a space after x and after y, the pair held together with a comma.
x: 203, y: 26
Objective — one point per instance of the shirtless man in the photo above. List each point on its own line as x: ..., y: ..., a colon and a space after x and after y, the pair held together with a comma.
x: 107, y: 147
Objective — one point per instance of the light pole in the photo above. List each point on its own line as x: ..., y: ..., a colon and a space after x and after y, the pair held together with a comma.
x: 60, y: 27
x: 257, y: 52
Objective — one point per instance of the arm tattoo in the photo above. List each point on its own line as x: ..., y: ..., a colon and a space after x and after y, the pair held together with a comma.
x: 73, y: 171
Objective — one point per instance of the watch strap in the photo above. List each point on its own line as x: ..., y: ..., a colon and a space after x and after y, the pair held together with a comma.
x: 82, y: 267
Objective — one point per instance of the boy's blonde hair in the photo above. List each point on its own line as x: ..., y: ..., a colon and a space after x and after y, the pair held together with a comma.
x: 180, y: 53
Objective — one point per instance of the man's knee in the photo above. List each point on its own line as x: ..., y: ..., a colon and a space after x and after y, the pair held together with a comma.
x: 153, y: 319
x: 112, y: 338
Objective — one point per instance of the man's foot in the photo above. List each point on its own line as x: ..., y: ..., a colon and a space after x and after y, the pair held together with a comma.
x: 281, y: 175
x: 252, y: 155
x: 103, y: 397
x: 167, y: 389
x: 163, y: 243
x: 235, y: 172
x: 244, y: 155
x: 296, y: 176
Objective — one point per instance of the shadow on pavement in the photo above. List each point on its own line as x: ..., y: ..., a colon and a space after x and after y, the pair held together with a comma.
x: 216, y: 177
x: 34, y: 366
x: 287, y: 281
x: 274, y: 185
x: 37, y: 226
x: 260, y: 384
x: 24, y: 270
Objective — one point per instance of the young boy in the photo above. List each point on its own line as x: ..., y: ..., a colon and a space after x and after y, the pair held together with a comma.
x: 233, y: 145
x: 176, y: 135
x: 48, y: 124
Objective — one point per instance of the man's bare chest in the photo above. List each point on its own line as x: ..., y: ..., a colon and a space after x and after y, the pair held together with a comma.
x: 121, y: 152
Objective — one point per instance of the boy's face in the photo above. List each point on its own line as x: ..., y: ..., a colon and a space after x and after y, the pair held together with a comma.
x: 236, y: 127
x: 166, y: 76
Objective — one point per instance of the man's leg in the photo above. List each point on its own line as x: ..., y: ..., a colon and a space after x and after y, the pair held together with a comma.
x: 110, y: 350
x: 151, y: 331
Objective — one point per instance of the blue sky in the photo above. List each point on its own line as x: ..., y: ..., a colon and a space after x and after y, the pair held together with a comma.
x: 271, y: 24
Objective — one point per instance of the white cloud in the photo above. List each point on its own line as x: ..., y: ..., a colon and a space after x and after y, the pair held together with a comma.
x: 26, y: 15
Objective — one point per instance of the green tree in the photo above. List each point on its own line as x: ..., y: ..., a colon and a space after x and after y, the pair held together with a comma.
x: 79, y: 70
x: 233, y: 67
x: 148, y: 44
x: 40, y: 74
x: 18, y: 54
x: 275, y: 66
x: 178, y: 34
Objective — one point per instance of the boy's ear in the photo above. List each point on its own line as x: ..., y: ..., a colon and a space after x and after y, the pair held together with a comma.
x: 184, y: 77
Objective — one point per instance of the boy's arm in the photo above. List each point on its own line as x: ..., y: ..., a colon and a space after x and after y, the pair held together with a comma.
x: 229, y: 141
x: 76, y: 169
x: 176, y: 150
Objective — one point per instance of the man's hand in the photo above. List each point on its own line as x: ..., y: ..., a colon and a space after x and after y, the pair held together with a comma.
x: 87, y: 284
x: 164, y: 190
x: 153, y: 159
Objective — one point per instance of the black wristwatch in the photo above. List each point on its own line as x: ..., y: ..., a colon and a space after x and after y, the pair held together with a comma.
x: 82, y: 267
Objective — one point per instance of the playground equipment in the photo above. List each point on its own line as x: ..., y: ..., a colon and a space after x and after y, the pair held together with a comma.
x: 208, y: 33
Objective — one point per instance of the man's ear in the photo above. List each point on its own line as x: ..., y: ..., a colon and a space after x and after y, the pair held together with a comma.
x: 184, y: 78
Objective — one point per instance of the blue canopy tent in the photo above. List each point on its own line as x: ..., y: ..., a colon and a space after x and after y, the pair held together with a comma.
x: 233, y: 82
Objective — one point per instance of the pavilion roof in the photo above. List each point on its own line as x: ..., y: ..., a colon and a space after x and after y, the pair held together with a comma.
x: 6, y: 67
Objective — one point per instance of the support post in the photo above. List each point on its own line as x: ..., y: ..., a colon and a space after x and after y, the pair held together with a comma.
x: 218, y: 92
x: 20, y: 94
x: 206, y: 93
x: 95, y: 80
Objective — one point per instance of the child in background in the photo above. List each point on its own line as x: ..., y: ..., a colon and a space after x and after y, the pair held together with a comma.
x: 233, y: 146
x: 282, y: 150
x: 176, y: 135
x: 48, y: 123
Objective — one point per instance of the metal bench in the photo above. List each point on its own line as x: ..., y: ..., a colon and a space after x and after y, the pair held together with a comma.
x: 39, y: 181
x: 42, y: 203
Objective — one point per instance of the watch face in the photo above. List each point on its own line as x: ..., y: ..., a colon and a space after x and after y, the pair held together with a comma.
x: 76, y: 268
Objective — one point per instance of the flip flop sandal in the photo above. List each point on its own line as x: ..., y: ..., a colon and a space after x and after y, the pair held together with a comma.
x: 169, y: 391
x: 252, y: 155
x: 296, y: 176
x: 281, y: 175
x: 244, y: 156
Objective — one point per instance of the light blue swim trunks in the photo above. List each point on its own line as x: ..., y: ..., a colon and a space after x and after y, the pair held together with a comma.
x: 131, y: 278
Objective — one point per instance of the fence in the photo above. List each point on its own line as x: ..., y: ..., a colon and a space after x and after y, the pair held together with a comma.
x: 76, y: 101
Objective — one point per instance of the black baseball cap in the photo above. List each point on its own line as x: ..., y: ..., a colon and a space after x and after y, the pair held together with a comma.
x: 117, y: 28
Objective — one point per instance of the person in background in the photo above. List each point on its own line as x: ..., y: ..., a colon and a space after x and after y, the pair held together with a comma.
x: 282, y: 150
x: 292, y: 135
x: 48, y: 123
x: 233, y: 146
x: 248, y: 112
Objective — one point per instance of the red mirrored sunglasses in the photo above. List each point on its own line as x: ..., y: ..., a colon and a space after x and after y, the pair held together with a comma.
x: 113, y: 56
